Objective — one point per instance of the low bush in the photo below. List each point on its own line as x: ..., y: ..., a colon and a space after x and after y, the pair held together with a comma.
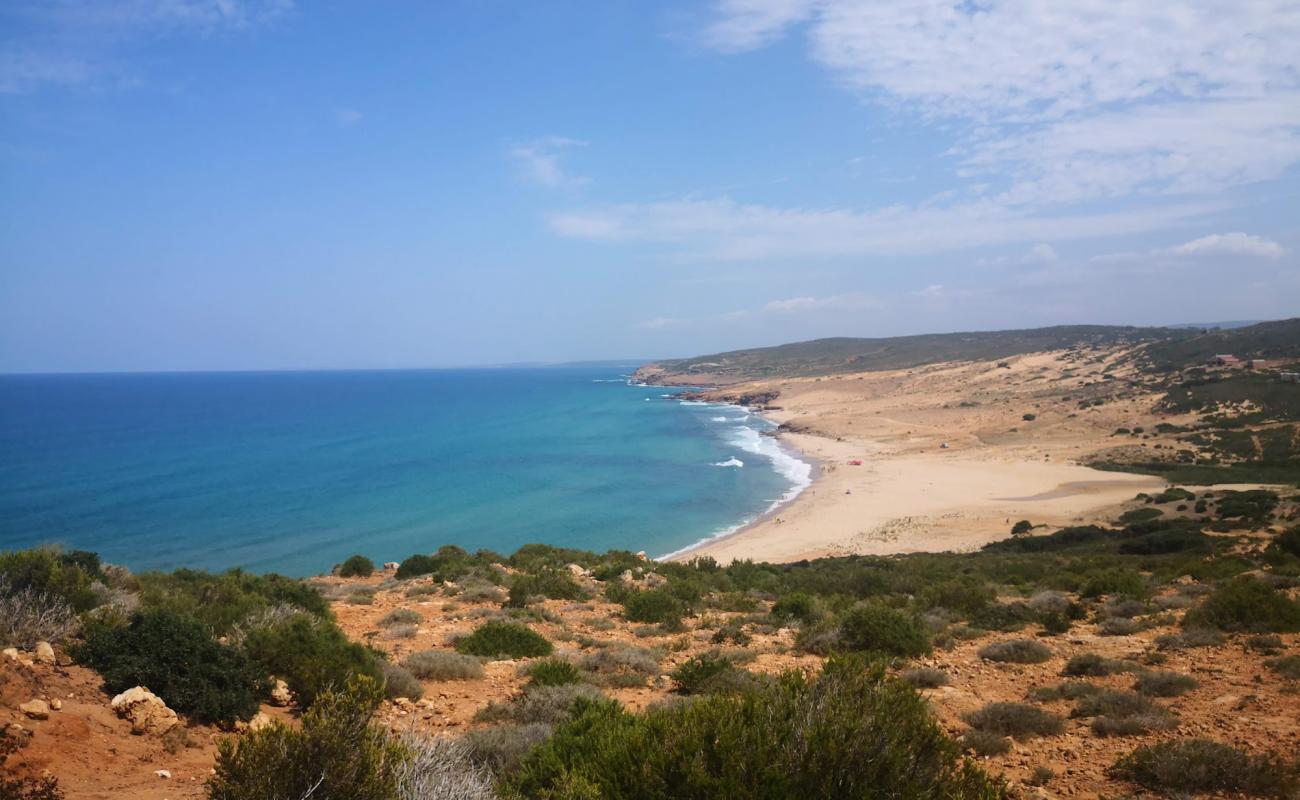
x: 1017, y: 720
x: 221, y: 600
x: 1067, y: 690
x: 1004, y: 616
x: 1254, y: 505
x: 1286, y: 666
x: 1246, y: 604
x: 401, y: 616
x: 311, y: 655
x: 1140, y: 515
x: 504, y: 640
x: 620, y: 665
x: 178, y: 660
x: 399, y: 682
x: 1266, y: 643
x: 985, y: 743
x: 1164, y: 684
x: 553, y: 672
x: 547, y: 583
x: 1116, y: 581
x: 439, y: 665
x: 696, y: 675
x: 851, y: 733
x: 29, y: 615
x: 52, y: 573
x: 500, y: 748
x: 1123, y: 713
x: 796, y: 606
x: 1022, y: 527
x: 1016, y: 651
x: 1190, y: 638
x: 336, y: 752
x: 1201, y: 765
x: 925, y: 677
x: 437, y: 768
x: 357, y: 566
x: 23, y: 787
x: 1094, y: 665
x: 878, y: 628
x: 541, y: 704
x: 653, y: 605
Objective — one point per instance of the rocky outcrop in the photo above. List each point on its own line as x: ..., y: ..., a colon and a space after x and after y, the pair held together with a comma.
x: 280, y: 694
x: 35, y: 709
x: 44, y: 653
x: 146, y: 711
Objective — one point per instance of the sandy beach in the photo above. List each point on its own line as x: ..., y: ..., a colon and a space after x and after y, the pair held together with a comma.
x: 948, y: 459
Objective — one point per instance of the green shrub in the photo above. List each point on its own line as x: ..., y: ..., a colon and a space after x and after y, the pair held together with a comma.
x: 415, y: 566
x: 1115, y: 581
x: 925, y: 677
x: 447, y: 564
x: 796, y: 606
x: 221, y: 600
x: 1140, y: 515
x: 178, y: 660
x: 1164, y: 684
x: 1029, y: 417
x: 336, y: 753
x: 965, y: 595
x: 1016, y: 651
x: 1266, y: 643
x: 1201, y: 765
x: 1022, y: 527
x: 882, y: 629
x: 548, y: 583
x: 53, y: 573
x: 851, y: 733
x: 1246, y: 604
x: 501, y: 747
x: 1017, y: 720
x: 1287, y: 542
x: 694, y: 676
x: 553, y: 672
x: 310, y: 655
x: 1003, y: 616
x: 439, y: 665
x: 504, y: 640
x: 357, y: 566
x: 653, y: 605
x: 1254, y: 505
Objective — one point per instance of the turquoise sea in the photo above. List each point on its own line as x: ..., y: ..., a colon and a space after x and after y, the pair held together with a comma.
x: 294, y: 471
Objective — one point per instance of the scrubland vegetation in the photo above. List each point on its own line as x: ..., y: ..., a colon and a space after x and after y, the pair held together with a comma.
x: 209, y: 645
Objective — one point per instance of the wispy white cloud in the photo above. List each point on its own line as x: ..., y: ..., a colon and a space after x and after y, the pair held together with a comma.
x: 1236, y: 244
x: 1065, y: 103
x: 539, y: 160
x: 790, y: 306
x: 68, y: 43
x: 727, y: 230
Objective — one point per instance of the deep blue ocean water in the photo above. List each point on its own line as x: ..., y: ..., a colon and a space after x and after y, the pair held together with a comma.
x: 294, y: 471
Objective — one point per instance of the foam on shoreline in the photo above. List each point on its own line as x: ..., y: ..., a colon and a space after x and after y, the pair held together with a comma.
x: 787, y: 463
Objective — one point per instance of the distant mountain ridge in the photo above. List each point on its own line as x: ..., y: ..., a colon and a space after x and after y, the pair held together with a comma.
x: 1164, y: 346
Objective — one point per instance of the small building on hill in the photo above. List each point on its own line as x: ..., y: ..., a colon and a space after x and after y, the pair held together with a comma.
x: 1225, y: 360
x: 1258, y: 363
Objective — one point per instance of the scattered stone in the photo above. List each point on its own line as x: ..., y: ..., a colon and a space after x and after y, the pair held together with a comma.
x: 44, y: 653
x: 259, y: 721
x: 35, y: 709
x: 280, y: 694
x: 11, y: 653
x: 145, y: 710
x: 56, y: 704
x: 163, y: 773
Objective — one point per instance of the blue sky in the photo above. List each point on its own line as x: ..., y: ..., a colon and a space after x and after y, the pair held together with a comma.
x: 253, y: 184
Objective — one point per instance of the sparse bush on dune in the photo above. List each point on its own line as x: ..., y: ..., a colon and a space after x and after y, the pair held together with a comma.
x: 1016, y: 651
x: 504, y: 640
x: 540, y: 704
x: 850, y: 733
x: 178, y: 660
x: 1266, y: 643
x: 1067, y: 690
x: 985, y: 743
x: 1202, y: 765
x: 1017, y: 720
x: 439, y: 665
x: 1286, y: 666
x: 1190, y: 638
x: 1123, y: 713
x: 1115, y: 582
x: 548, y: 583
x: 653, y: 605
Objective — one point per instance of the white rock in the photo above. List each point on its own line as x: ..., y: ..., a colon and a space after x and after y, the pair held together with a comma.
x: 145, y: 710
x: 259, y: 721
x: 163, y: 773
x: 11, y: 653
x: 280, y: 694
x: 44, y: 653
x: 36, y: 709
